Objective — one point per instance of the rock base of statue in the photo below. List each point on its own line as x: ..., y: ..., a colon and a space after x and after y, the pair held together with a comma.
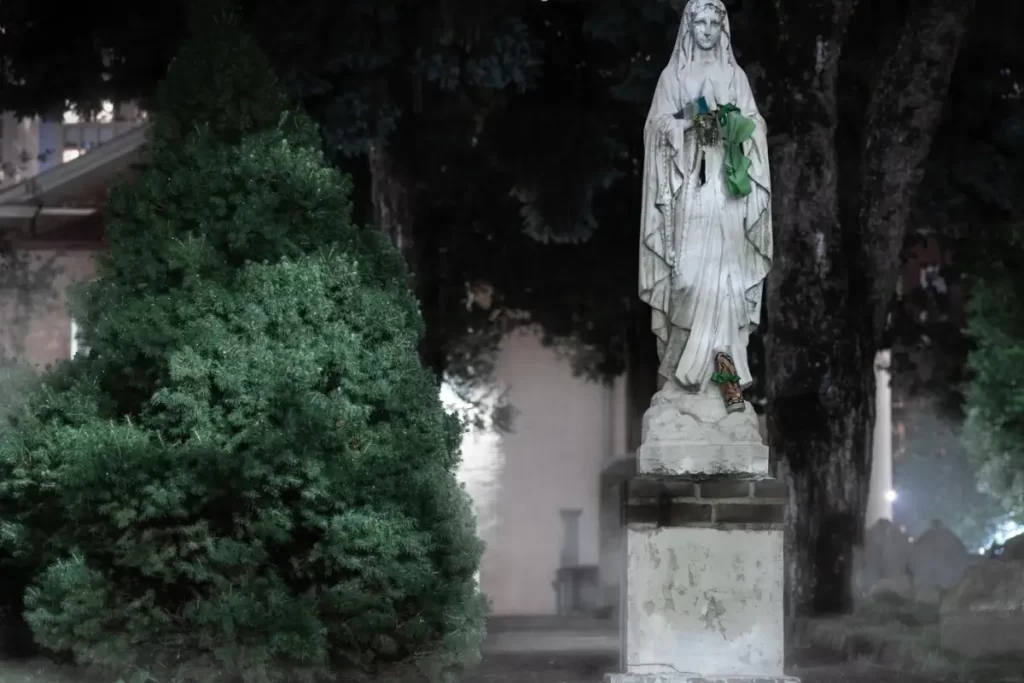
x: 695, y: 433
x: 702, y: 595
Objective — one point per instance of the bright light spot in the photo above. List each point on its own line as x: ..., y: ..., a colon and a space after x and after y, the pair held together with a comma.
x: 104, y: 115
x: 891, y: 496
x: 72, y: 153
x: 1003, y: 533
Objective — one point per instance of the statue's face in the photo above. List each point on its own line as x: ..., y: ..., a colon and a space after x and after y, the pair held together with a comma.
x: 707, y: 28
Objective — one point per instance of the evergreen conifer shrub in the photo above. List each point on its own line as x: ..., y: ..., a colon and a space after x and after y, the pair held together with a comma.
x: 995, y: 397
x: 250, y: 472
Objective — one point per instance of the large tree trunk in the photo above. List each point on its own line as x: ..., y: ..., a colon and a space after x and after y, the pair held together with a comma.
x: 819, y: 395
x: 392, y: 196
x: 835, y: 269
x: 395, y: 212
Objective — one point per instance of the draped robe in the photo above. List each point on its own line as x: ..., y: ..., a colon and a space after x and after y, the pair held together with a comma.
x: 704, y: 254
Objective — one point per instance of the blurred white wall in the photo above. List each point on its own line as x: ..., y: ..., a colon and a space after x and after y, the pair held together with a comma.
x: 564, y: 429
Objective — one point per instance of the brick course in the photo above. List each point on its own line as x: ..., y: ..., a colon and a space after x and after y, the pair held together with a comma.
x: 719, y: 502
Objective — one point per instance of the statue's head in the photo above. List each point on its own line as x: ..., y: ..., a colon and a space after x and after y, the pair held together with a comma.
x: 707, y: 21
x: 704, y: 27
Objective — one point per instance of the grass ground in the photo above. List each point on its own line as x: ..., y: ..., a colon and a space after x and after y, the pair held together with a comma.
x: 867, y: 648
x: 903, y: 642
x: 518, y: 668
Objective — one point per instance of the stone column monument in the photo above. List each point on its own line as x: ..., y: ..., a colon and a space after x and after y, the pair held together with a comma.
x: 703, y: 588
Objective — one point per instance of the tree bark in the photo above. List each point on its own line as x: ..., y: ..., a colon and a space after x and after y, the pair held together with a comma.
x: 903, y: 115
x: 394, y: 196
x: 833, y: 279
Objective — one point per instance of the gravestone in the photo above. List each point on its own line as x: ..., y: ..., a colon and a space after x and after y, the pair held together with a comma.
x: 883, y: 560
x: 1013, y: 549
x: 983, y: 615
x: 938, y: 561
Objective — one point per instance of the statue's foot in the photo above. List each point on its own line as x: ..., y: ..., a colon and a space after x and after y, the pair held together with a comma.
x: 729, y: 383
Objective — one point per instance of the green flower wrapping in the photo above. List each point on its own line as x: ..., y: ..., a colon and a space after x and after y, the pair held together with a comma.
x: 723, y: 378
x: 735, y: 130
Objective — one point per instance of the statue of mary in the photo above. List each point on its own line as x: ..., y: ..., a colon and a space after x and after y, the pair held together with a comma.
x: 706, y: 243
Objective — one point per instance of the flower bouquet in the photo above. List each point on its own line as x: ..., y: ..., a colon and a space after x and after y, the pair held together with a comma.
x: 726, y: 126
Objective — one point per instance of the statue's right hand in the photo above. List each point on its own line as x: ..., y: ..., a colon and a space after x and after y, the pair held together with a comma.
x: 708, y: 93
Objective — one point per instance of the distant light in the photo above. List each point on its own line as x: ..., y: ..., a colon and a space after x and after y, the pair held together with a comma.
x: 891, y: 496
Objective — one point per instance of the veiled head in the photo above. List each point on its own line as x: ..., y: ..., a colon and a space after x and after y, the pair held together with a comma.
x: 706, y: 23
x: 704, y: 27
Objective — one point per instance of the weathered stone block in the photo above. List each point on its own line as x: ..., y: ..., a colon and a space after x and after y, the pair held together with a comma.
x: 680, y: 457
x: 704, y: 600
x: 693, y: 434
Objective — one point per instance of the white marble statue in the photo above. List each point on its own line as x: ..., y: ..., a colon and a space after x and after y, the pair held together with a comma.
x: 706, y: 244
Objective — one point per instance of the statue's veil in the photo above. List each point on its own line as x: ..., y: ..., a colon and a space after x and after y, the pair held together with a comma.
x: 682, y: 55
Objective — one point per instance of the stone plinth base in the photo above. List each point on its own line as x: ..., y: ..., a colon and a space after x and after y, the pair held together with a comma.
x: 704, y: 580
x: 688, y: 434
x: 694, y: 678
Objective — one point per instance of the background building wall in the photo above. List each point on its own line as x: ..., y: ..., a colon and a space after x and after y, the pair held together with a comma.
x: 565, y: 429
x: 35, y: 325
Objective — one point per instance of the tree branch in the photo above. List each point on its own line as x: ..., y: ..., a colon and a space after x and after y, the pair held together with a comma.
x: 903, y: 114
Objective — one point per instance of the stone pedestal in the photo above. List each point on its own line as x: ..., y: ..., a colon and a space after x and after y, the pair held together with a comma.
x: 693, y: 434
x: 703, y: 590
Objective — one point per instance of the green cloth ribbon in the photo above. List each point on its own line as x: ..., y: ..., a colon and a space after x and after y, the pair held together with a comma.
x: 736, y: 129
x: 722, y: 378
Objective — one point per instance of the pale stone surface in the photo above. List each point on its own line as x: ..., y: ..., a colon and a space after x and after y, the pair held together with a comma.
x: 703, y: 602
x: 984, y: 613
x: 938, y: 561
x: 686, y: 433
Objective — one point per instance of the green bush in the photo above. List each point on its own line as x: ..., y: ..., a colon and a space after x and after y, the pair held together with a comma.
x: 250, y: 473
x: 995, y: 400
